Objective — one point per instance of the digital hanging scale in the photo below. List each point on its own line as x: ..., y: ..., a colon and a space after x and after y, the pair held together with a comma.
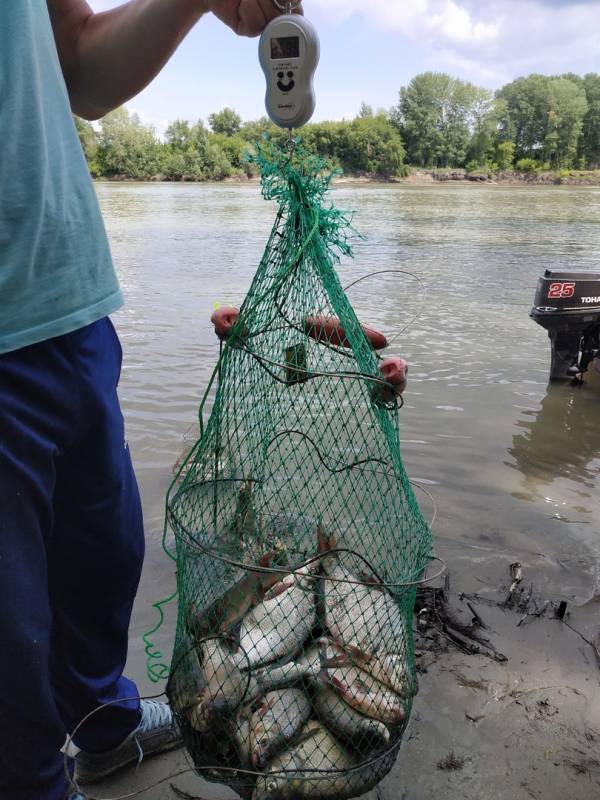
x: 289, y: 54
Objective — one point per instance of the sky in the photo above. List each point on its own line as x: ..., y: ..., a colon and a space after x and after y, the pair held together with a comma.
x: 370, y: 48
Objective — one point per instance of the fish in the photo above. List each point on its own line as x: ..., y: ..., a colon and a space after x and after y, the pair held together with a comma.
x: 364, y: 617
x: 390, y: 669
x: 185, y: 683
x: 220, y: 687
x: 241, y: 735
x: 278, y: 719
x: 360, y: 616
x: 280, y: 623
x: 224, y: 687
x: 230, y: 608
x: 301, y: 772
x: 358, y: 688
x: 347, y: 724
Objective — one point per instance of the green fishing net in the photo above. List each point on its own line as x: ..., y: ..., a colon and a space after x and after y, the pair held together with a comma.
x: 299, y: 542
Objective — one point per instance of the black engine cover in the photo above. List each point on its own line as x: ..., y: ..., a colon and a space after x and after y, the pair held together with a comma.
x: 567, y: 301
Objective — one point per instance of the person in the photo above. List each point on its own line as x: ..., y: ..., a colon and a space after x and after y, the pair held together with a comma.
x: 71, y: 531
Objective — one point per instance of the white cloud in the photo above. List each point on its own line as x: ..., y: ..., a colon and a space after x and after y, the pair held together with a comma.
x: 446, y: 19
x: 497, y: 37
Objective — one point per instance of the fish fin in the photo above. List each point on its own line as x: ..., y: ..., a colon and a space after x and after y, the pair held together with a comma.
x: 358, y: 656
x: 279, y: 588
x: 325, y: 543
x: 360, y: 686
x: 265, y: 561
x: 372, y: 580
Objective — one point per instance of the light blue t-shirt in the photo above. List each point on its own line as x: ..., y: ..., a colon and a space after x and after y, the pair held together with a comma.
x: 56, y: 271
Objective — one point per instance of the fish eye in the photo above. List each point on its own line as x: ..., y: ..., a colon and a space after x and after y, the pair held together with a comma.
x: 271, y: 786
x: 264, y: 740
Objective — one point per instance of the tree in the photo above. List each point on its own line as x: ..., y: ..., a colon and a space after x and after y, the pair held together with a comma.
x: 178, y: 135
x: 525, y: 118
x: 544, y: 118
x: 127, y: 147
x: 89, y: 144
x: 504, y: 156
x: 365, y: 110
x: 485, y: 114
x: 420, y: 116
x: 327, y: 139
x: 216, y: 165
x: 438, y: 117
x: 373, y: 145
x: 567, y: 106
x: 254, y: 131
x: 589, y: 148
x: 225, y: 121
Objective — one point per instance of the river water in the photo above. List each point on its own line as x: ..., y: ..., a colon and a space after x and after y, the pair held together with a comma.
x: 513, y: 465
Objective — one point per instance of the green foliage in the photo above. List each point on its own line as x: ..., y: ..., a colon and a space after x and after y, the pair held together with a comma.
x: 544, y: 118
x: 89, y: 144
x: 589, y: 146
x: 527, y: 165
x: 566, y: 112
x: 505, y: 155
x: 127, y: 147
x: 439, y: 122
x: 216, y: 164
x: 226, y: 121
x: 442, y: 119
x: 373, y: 146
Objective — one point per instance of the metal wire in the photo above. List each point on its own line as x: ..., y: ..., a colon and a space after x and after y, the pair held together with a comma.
x: 287, y: 6
x: 398, y: 272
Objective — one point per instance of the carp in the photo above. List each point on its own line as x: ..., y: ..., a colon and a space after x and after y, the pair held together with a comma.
x: 302, y: 771
x: 219, y: 687
x: 359, y: 614
x: 276, y: 722
x: 229, y: 609
x: 358, y: 688
x: 348, y: 724
x: 280, y: 624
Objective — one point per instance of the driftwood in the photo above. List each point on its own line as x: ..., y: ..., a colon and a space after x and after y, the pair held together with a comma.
x: 432, y: 610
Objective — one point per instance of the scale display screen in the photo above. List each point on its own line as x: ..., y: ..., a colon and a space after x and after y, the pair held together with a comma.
x: 285, y: 47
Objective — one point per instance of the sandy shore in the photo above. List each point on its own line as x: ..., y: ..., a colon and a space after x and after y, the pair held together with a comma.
x: 525, y: 728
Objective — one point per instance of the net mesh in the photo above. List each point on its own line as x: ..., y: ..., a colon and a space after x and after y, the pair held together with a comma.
x: 299, y: 541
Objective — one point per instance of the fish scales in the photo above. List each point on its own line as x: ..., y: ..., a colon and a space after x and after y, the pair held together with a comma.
x: 301, y: 772
x: 277, y: 721
x: 358, y: 688
x: 349, y: 725
x: 221, y: 686
x: 364, y: 617
x: 280, y: 624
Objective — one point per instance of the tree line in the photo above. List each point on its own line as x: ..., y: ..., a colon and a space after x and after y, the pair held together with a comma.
x: 533, y: 123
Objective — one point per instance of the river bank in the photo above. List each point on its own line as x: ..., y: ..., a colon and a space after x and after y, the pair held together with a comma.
x: 417, y: 177
x: 519, y: 724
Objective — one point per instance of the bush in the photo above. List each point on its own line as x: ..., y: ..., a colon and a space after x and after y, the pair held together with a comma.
x: 505, y: 155
x: 527, y: 165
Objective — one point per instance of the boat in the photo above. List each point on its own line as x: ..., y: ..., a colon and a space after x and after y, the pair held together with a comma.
x: 567, y: 305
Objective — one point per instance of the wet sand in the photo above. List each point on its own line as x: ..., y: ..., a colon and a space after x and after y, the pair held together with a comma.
x: 527, y: 728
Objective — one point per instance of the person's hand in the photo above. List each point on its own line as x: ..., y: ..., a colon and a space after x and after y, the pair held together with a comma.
x: 245, y: 17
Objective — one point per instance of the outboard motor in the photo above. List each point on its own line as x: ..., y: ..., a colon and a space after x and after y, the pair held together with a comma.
x: 567, y: 305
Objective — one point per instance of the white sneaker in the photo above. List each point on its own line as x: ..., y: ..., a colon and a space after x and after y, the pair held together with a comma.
x: 156, y: 733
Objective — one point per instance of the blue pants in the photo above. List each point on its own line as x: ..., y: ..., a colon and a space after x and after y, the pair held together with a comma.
x: 71, y: 551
